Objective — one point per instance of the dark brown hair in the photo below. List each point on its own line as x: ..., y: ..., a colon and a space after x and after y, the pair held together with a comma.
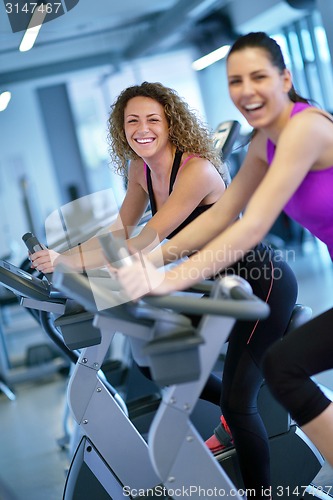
x: 261, y: 40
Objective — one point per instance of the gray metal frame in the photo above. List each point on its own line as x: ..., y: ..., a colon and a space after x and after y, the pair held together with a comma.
x: 177, y: 452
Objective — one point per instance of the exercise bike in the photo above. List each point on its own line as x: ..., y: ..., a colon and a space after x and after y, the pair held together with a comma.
x: 99, y: 468
x: 177, y: 452
x: 165, y: 352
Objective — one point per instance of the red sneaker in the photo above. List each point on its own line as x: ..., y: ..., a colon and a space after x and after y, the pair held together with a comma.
x: 221, y: 439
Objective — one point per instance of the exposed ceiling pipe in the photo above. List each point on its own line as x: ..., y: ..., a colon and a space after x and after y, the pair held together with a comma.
x: 184, y: 14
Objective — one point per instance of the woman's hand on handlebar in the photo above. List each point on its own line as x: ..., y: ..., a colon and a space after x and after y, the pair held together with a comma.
x: 142, y: 278
x: 44, y: 260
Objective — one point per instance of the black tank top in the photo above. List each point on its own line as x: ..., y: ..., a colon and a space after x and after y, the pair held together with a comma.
x: 174, y: 171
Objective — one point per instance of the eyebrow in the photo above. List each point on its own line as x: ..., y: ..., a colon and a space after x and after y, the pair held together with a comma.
x: 148, y: 116
x: 252, y: 73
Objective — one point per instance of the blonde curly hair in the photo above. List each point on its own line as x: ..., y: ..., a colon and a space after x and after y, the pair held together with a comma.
x: 186, y: 131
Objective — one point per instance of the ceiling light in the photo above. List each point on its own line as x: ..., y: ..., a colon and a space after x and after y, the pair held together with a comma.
x: 34, y: 26
x: 210, y: 58
x: 4, y: 100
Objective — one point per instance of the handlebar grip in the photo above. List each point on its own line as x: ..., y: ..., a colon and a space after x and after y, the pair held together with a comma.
x: 247, y: 310
x: 33, y: 245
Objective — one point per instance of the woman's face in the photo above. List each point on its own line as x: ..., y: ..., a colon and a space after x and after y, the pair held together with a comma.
x: 257, y: 88
x: 146, y: 127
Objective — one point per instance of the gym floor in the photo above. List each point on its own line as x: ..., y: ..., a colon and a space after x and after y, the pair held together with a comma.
x: 32, y: 464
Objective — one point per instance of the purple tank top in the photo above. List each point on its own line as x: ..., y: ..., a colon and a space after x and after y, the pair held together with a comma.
x: 312, y: 203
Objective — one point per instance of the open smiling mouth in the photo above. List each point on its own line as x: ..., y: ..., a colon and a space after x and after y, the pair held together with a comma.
x: 145, y: 141
x: 253, y: 107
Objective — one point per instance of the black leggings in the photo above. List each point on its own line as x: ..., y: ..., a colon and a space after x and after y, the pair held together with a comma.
x: 289, y: 364
x: 242, y: 374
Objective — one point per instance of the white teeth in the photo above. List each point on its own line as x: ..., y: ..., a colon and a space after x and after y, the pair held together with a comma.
x: 144, y: 141
x: 251, y: 107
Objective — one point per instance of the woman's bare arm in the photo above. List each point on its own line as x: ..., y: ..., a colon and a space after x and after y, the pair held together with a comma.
x: 300, y: 147
x: 225, y: 211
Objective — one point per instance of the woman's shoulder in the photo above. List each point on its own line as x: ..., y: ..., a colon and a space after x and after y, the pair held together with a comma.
x: 193, y: 159
x: 194, y: 163
x: 189, y: 155
x: 311, y: 123
x: 315, y: 111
